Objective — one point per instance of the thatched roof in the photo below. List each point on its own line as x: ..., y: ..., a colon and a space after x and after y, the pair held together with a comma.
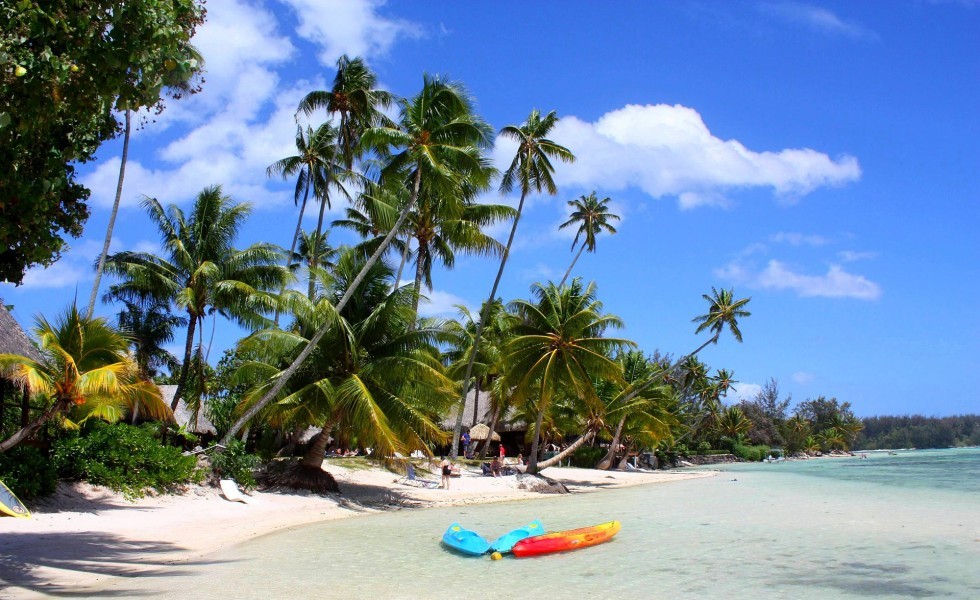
x: 479, y: 412
x: 479, y: 432
x: 13, y: 340
x: 183, y: 416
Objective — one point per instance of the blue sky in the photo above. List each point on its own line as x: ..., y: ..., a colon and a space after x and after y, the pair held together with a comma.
x: 821, y: 158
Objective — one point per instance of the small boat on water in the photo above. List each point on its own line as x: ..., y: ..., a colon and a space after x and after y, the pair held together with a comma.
x: 506, y: 542
x: 465, y: 540
x: 561, y: 541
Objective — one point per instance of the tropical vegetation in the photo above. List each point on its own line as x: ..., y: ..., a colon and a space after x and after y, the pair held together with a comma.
x: 335, y: 352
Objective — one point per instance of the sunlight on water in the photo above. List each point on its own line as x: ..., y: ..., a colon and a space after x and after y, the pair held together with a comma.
x: 836, y: 528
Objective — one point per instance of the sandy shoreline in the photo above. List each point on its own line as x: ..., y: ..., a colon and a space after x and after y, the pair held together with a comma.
x: 83, y: 537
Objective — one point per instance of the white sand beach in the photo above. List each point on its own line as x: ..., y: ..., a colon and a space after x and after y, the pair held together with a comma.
x: 83, y: 536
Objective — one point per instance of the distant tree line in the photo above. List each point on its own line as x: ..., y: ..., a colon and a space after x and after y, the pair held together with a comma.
x: 917, y: 431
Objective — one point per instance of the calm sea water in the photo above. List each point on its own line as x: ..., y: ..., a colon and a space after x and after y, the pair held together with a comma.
x: 903, y: 526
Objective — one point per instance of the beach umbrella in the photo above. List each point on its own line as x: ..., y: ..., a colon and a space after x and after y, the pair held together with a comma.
x: 479, y: 432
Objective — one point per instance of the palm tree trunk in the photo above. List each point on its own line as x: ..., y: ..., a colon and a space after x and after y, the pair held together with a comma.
x: 418, y: 283
x: 292, y: 247
x: 28, y: 430
x: 479, y: 327
x: 532, y: 465
x: 606, y: 463
x: 314, y: 455
x: 294, y: 366
x: 184, y: 368
x: 626, y: 456
x: 554, y: 460
x: 299, y: 227
x: 315, y: 251
x: 571, y: 266
x: 493, y: 426
x: 112, y: 219
x: 290, y: 446
x: 401, y: 266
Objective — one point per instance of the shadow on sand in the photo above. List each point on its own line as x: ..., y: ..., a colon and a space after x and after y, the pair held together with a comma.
x: 25, y: 556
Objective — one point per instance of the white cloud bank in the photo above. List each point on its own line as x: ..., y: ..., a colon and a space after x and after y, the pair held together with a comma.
x: 669, y: 151
x: 836, y: 283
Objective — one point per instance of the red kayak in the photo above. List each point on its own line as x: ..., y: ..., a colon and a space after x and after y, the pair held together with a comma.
x: 561, y: 541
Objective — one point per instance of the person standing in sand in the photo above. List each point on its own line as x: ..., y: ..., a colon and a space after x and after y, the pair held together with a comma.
x: 447, y: 471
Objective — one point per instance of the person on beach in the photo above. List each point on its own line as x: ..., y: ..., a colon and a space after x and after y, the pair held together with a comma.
x: 447, y: 471
x: 495, y: 466
x: 466, y: 445
x: 503, y: 452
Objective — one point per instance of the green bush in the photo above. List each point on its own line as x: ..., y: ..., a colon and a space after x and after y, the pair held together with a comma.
x: 586, y: 457
x: 750, y: 453
x: 235, y: 463
x: 124, y: 458
x: 28, y: 472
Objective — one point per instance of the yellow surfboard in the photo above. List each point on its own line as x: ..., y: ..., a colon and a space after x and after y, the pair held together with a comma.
x: 11, y: 504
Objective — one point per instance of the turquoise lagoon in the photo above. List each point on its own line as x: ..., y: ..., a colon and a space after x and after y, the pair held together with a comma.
x: 889, y: 526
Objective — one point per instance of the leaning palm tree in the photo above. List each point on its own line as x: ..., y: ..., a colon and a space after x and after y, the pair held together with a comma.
x: 437, y: 135
x: 372, y: 376
x: 85, y: 365
x: 201, y: 272
x: 532, y: 170
x: 559, y: 346
x: 592, y: 216
x: 181, y: 77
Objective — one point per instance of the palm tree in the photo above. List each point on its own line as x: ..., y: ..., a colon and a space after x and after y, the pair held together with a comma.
x: 150, y: 326
x: 488, y: 367
x: 201, y: 272
x: 637, y: 398
x: 85, y: 365
x: 354, y: 98
x: 724, y: 312
x: 532, y: 170
x: 315, y: 252
x: 179, y: 80
x: 372, y: 376
x: 592, y: 216
x: 315, y: 169
x: 733, y: 422
x: 559, y: 346
x: 445, y: 223
x: 438, y: 135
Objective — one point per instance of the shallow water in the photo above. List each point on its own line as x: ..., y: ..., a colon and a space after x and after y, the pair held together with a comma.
x: 902, y: 526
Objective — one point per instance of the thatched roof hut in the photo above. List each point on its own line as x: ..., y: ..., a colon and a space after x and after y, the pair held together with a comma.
x: 13, y: 339
x: 478, y: 411
x: 479, y: 432
x: 184, y: 417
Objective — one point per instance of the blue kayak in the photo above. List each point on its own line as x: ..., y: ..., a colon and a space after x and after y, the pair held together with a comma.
x: 465, y: 541
x: 504, y: 543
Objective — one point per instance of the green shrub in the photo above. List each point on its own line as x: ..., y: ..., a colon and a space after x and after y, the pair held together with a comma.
x: 750, y: 453
x: 586, y: 457
x: 704, y: 448
x: 124, y: 458
x: 28, y: 472
x: 235, y: 463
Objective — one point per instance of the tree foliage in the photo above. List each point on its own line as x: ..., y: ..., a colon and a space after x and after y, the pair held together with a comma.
x: 64, y: 68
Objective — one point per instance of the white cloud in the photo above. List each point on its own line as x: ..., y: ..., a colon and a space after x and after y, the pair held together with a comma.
x: 818, y: 19
x: 798, y: 239
x: 436, y: 303
x: 802, y: 377
x: 852, y: 256
x: 745, y: 391
x: 351, y: 27
x: 669, y: 151
x: 836, y: 283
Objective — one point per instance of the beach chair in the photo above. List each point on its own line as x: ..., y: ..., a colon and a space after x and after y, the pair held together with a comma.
x: 411, y: 479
